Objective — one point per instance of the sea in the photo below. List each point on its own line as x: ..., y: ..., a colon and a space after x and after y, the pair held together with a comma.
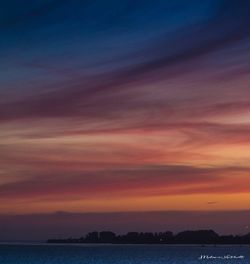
x: 122, y: 254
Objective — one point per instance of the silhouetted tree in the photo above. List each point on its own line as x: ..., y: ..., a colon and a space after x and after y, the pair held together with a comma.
x: 107, y: 237
x: 185, y: 237
x: 92, y: 237
x: 197, y: 237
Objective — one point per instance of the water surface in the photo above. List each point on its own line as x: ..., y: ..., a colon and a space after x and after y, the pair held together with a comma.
x: 118, y: 254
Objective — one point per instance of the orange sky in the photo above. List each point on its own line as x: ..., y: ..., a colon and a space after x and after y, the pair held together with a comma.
x: 102, y: 116
x: 184, y: 166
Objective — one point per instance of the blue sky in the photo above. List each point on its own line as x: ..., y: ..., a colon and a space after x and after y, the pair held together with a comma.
x: 119, y: 106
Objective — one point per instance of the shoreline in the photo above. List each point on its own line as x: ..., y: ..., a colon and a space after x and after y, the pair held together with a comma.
x: 110, y: 244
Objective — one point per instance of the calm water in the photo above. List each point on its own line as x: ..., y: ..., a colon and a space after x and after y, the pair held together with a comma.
x: 117, y: 254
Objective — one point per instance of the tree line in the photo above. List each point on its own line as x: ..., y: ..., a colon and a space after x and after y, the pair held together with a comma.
x: 184, y: 237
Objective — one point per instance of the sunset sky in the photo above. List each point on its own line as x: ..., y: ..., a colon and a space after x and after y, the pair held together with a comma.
x: 124, y: 106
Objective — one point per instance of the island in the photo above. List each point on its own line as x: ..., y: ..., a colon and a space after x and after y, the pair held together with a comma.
x: 203, y: 237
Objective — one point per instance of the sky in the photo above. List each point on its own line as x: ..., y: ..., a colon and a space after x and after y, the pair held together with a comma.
x: 113, y: 108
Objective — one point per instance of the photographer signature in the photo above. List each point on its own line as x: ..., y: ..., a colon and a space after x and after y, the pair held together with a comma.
x: 212, y: 257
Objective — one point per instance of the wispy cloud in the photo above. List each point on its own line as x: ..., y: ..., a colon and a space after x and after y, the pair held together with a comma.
x: 120, y: 99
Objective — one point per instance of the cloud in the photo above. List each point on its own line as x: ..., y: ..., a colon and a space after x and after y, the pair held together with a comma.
x: 135, y: 181
x: 212, y: 202
x: 114, y: 100
x: 112, y: 95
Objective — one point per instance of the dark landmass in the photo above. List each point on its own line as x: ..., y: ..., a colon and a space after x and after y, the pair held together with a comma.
x: 186, y: 237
